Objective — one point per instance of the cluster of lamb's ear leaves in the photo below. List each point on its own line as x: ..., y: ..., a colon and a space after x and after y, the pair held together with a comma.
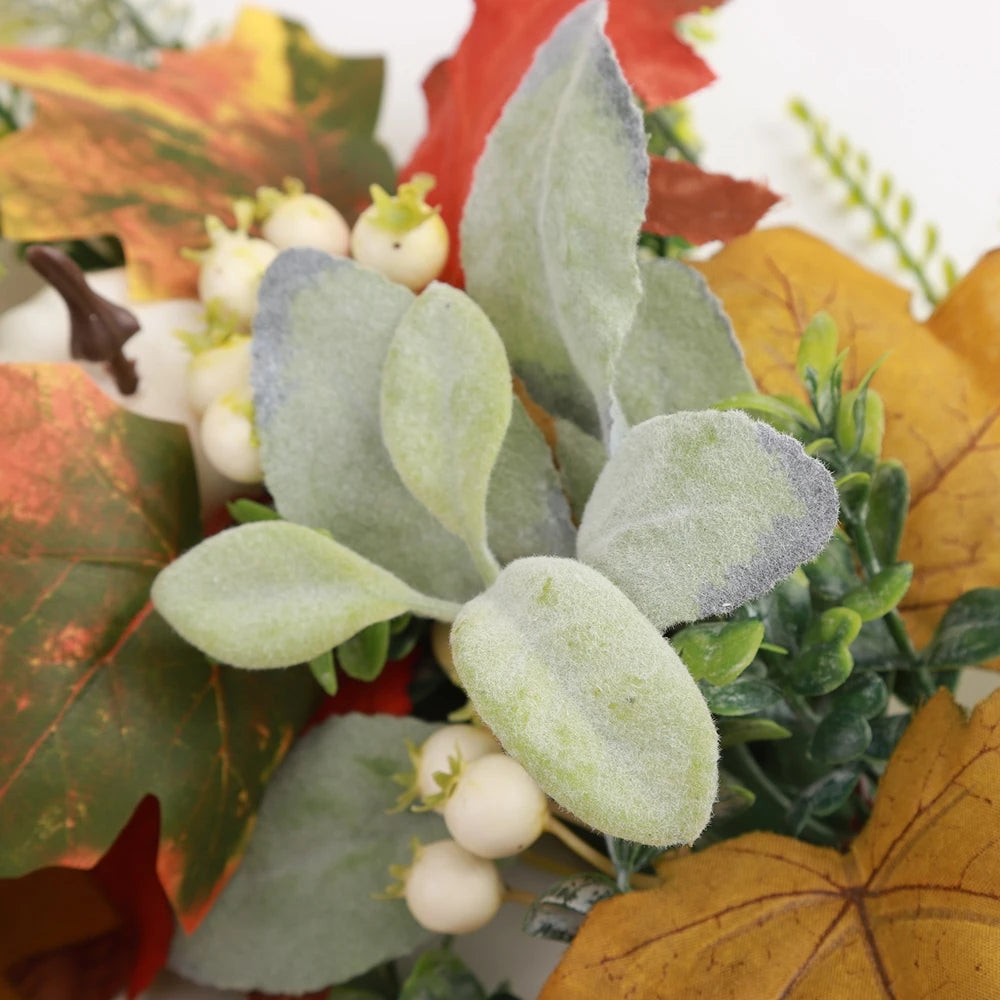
x: 387, y: 421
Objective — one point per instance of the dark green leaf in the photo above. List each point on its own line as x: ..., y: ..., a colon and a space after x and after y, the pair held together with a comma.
x: 735, y: 731
x: 441, y: 975
x: 853, y: 489
x: 245, y: 511
x: 559, y: 911
x: 841, y: 737
x: 878, y: 595
x: 825, y: 661
x: 784, y: 413
x: 718, y: 651
x: 968, y: 633
x: 886, y: 733
x: 888, y: 503
x: 742, y: 697
x: 786, y: 611
x: 864, y: 693
x: 823, y: 797
x: 363, y: 655
x: 325, y: 672
x: 832, y: 572
x: 733, y: 799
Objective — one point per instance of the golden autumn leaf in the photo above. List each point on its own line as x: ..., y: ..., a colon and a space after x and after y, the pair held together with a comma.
x: 939, y: 384
x: 146, y: 153
x: 910, y: 912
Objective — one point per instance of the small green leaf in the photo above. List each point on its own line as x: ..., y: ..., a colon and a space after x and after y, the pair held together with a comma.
x: 817, y: 348
x: 824, y: 796
x: 441, y: 975
x: 446, y: 403
x: 888, y: 503
x: 881, y: 593
x: 321, y: 334
x: 886, y: 733
x: 581, y: 459
x: 299, y: 911
x: 718, y: 651
x: 245, y: 511
x: 734, y: 731
x: 325, y: 671
x: 743, y: 697
x: 825, y: 661
x: 273, y: 593
x: 587, y: 695
x: 697, y: 513
x: 831, y: 574
x: 864, y: 693
x: 550, y: 225
x: 733, y: 799
x: 853, y: 489
x: 680, y: 353
x: 968, y: 633
x: 363, y: 655
x: 784, y: 413
x: 842, y: 736
x: 786, y: 610
x: 558, y: 913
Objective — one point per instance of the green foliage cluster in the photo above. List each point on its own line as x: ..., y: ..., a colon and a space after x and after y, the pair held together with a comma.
x: 891, y: 212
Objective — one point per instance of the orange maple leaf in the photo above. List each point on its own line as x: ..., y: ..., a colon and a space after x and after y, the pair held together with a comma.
x: 939, y: 384
x: 146, y: 153
x: 911, y: 911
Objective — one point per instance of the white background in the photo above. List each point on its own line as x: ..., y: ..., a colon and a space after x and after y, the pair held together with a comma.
x: 915, y: 84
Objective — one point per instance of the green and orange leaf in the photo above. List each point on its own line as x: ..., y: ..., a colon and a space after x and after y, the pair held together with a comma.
x: 101, y: 703
x: 144, y: 154
x: 939, y: 383
x: 911, y: 910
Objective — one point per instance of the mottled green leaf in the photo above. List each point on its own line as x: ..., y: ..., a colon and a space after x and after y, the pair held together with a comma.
x: 968, y: 633
x: 299, y: 913
x: 526, y: 510
x: 446, y: 402
x: 736, y: 730
x: 888, y: 503
x: 842, y: 736
x: 551, y: 222
x: 101, y: 703
x: 718, y: 651
x: 697, y: 513
x: 825, y: 660
x: 321, y: 335
x: 680, y: 353
x: 742, y: 697
x: 824, y: 796
x: 878, y: 595
x: 863, y: 693
x: 272, y: 593
x: 559, y: 911
x: 586, y: 694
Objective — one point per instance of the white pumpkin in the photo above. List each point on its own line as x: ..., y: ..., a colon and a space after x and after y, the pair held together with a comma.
x: 38, y: 330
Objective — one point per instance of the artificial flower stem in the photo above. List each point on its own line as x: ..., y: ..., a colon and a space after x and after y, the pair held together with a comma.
x: 521, y: 896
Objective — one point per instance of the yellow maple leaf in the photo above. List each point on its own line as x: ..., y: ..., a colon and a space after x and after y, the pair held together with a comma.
x: 910, y: 912
x: 939, y: 385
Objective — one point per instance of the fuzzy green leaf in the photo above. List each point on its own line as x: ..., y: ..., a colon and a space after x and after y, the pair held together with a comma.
x: 550, y: 225
x: 526, y: 509
x: 321, y: 335
x: 680, y: 353
x: 299, y: 913
x: 271, y: 594
x: 581, y: 459
x: 446, y: 402
x: 697, y: 513
x: 586, y: 694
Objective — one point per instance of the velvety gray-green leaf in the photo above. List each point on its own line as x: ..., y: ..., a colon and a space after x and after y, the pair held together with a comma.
x: 299, y: 913
x: 586, y: 694
x: 272, y: 593
x: 680, y: 353
x: 697, y: 513
x: 446, y: 402
x: 581, y: 459
x: 550, y: 225
x: 321, y: 335
x: 526, y: 509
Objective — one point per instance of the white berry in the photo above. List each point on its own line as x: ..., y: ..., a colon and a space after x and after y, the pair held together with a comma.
x: 465, y: 742
x: 297, y: 219
x: 231, y: 273
x: 450, y: 891
x: 228, y: 438
x: 496, y: 809
x: 218, y: 370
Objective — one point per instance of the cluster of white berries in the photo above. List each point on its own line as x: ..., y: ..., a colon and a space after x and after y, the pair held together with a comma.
x: 492, y: 809
x: 399, y: 235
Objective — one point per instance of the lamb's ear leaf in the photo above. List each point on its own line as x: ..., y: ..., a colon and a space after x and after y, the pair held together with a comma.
x: 321, y: 335
x: 581, y: 689
x: 320, y: 853
x: 581, y: 459
x: 550, y: 225
x: 697, y: 513
x: 526, y: 508
x: 446, y: 402
x: 271, y: 594
x: 680, y: 353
